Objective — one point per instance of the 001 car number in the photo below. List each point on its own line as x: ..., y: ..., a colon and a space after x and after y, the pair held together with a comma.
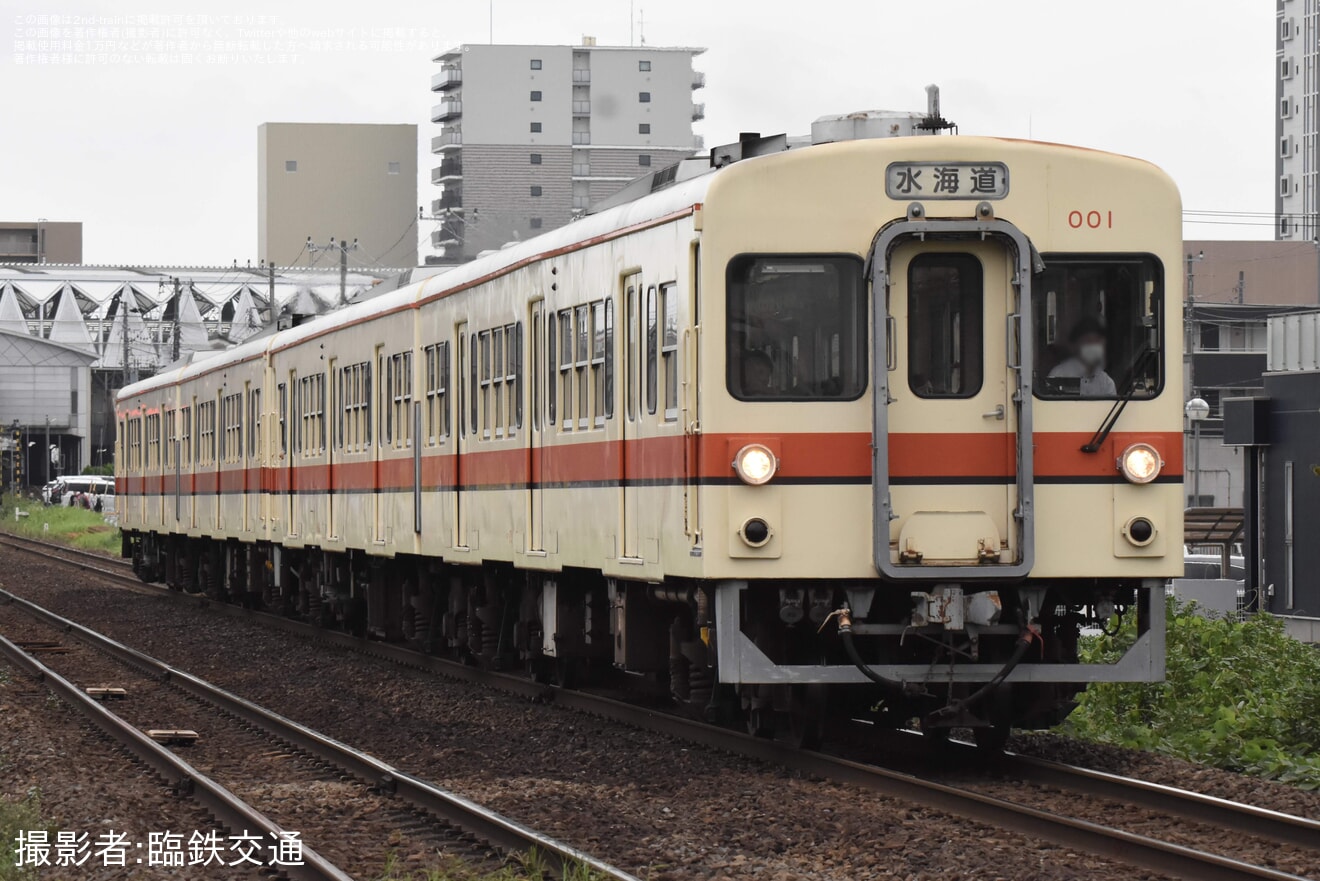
x: 1091, y: 219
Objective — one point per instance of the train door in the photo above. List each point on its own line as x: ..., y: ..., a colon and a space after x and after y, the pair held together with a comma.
x: 952, y: 493
x: 333, y: 395
x: 217, y: 451
x: 294, y: 427
x: 379, y: 501
x: 466, y: 422
x: 535, y: 437
x: 256, y: 455
x: 629, y: 425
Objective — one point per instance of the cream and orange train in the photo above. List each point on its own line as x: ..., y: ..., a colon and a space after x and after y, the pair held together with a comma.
x: 875, y: 424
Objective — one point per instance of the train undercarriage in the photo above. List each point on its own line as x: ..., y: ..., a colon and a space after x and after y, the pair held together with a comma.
x: 782, y: 658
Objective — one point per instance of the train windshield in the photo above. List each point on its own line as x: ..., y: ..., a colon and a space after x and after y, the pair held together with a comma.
x: 1097, y: 324
x: 796, y: 328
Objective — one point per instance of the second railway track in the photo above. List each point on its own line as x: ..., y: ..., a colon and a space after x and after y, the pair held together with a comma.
x: 376, y: 798
x: 1296, y: 835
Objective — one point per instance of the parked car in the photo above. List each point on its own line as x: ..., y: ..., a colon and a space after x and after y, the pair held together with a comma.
x: 95, y: 489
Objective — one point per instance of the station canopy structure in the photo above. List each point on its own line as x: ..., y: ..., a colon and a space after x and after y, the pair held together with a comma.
x: 96, y: 307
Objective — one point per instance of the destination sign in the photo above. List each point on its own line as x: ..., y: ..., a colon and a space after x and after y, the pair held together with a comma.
x: 946, y: 180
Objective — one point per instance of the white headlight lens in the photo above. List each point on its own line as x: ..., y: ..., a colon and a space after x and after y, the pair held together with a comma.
x: 1140, y: 463
x: 755, y: 464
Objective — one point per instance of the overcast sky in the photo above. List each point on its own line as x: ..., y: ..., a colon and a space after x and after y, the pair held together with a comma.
x: 159, y: 160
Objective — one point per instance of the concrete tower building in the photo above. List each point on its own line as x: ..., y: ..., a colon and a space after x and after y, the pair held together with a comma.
x: 350, y: 181
x: 532, y: 135
x: 1297, y: 119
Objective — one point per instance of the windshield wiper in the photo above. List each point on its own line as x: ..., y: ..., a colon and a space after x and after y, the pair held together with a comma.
x: 1138, y: 370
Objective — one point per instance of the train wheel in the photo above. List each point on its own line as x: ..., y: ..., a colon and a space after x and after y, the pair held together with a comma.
x: 992, y: 739
x: 806, y: 717
x: 761, y: 722
x: 937, y: 739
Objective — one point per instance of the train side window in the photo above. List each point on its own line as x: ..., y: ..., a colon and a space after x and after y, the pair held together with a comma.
x: 582, y: 365
x: 565, y: 366
x: 153, y: 441
x: 598, y: 364
x: 651, y: 343
x: 1097, y: 328
x: 283, y: 417
x: 497, y: 380
x: 669, y: 348
x: 485, y: 344
x: 796, y: 328
x: 171, y: 437
x: 254, y: 423
x: 185, y: 436
x: 630, y: 354
x: 946, y: 337
x: 513, y: 338
x: 609, y: 357
x: 398, y: 425
x: 472, y: 386
x: 437, y: 386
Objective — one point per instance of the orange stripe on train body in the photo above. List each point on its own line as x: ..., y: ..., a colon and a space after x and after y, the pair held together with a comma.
x: 804, y: 457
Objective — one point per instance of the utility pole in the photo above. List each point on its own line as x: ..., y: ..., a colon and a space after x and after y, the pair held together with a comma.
x: 48, y: 454
x: 123, y: 304
x: 174, y: 332
x: 343, y: 270
x: 274, y: 313
x: 1241, y: 286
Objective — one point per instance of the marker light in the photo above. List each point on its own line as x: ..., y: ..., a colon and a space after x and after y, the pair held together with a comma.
x: 1140, y: 463
x: 755, y: 464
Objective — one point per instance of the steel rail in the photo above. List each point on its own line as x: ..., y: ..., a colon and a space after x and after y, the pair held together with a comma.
x: 1116, y: 844
x: 504, y: 834
x: 228, y: 809
x: 1242, y: 818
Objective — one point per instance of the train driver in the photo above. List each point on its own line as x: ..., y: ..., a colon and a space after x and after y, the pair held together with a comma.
x: 1087, y: 364
x: 757, y: 373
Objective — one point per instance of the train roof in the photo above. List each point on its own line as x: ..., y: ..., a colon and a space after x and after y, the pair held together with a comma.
x: 672, y: 201
x: 669, y: 202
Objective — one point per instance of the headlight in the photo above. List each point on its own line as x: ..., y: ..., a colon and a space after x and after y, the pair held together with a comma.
x: 1140, y: 463
x: 755, y: 464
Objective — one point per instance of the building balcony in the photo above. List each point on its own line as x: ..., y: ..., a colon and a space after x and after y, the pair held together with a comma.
x: 581, y: 139
x: 449, y: 171
x: 452, y: 200
x: 446, y: 110
x: 447, y: 140
x: 581, y: 77
x: 581, y: 108
x: 698, y: 112
x: 449, y: 78
x: 444, y: 238
x: 698, y: 80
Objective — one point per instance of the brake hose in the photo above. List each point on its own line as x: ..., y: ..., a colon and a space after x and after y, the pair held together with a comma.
x: 1024, y: 641
x: 908, y: 689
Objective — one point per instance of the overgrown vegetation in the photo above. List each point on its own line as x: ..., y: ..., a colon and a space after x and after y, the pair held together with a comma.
x: 71, y: 526
x: 16, y: 817
x: 527, y: 867
x: 99, y: 470
x: 1239, y: 694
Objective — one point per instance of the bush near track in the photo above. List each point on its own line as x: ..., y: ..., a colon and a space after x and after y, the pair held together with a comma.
x: 1239, y: 695
x: 15, y: 817
x: 71, y: 526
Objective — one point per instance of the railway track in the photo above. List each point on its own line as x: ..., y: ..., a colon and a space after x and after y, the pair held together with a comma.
x: 1156, y: 854
x: 500, y: 833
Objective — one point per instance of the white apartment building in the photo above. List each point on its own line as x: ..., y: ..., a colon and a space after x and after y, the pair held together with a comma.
x: 532, y: 135
x: 1297, y: 47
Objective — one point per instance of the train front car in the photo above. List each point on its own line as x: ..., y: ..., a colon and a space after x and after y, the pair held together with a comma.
x: 941, y: 426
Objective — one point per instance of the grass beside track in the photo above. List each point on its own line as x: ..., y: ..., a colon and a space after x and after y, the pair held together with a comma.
x: 76, y: 527
x: 17, y: 816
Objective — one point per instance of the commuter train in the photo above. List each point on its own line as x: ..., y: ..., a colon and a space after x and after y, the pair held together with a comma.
x: 868, y: 427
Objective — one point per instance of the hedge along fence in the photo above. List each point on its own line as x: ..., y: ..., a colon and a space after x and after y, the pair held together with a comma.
x: 1239, y: 694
